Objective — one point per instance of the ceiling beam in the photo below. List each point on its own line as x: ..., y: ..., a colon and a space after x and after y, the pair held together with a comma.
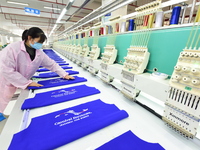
x: 62, y: 4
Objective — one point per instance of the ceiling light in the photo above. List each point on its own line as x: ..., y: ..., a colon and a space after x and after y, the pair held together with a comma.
x: 51, y: 8
x: 18, y: 3
x: 61, y: 15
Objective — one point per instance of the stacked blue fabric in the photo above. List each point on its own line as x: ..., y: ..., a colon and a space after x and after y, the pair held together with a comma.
x: 58, y: 128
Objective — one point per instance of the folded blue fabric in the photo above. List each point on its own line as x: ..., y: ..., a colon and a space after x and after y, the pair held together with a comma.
x: 53, y: 74
x: 60, y: 61
x: 58, y: 96
x: 129, y: 141
x: 2, y: 117
x: 44, y: 69
x: 63, y: 64
x: 58, y: 82
x: 60, y: 64
x: 56, y: 129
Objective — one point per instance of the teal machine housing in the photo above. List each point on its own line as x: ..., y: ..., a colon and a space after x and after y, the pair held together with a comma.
x: 165, y: 45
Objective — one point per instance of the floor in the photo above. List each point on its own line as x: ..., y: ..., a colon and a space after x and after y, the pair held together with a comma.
x: 3, y: 122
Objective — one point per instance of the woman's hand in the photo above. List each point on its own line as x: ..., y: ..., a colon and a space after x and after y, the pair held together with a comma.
x: 35, y: 84
x: 68, y: 77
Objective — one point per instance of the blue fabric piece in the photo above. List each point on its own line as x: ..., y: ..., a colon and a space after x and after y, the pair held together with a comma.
x: 53, y: 74
x: 58, y: 82
x: 129, y: 141
x: 58, y: 96
x: 2, y: 117
x: 44, y: 69
x: 60, y: 61
x: 60, y: 64
x: 56, y: 129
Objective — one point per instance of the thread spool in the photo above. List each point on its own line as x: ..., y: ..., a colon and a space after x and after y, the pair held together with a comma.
x: 105, y: 30
x: 146, y: 19
x: 159, y: 18
x: 197, y: 19
x: 101, y: 31
x: 151, y: 20
x: 110, y: 29
x: 117, y: 27
x: 90, y: 32
x: 123, y: 27
x: 175, y: 15
x: 131, y: 25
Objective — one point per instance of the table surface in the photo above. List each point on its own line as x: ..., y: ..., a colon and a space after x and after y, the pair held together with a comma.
x: 140, y: 121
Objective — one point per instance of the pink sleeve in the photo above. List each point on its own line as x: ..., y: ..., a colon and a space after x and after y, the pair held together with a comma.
x: 53, y: 66
x: 9, y: 70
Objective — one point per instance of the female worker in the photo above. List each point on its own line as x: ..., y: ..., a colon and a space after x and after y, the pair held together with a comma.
x: 19, y: 62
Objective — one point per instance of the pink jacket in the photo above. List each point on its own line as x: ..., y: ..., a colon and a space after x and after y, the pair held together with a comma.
x: 16, y: 69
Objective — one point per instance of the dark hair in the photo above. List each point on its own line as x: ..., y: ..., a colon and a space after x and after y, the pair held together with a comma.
x: 24, y: 34
x: 36, y: 32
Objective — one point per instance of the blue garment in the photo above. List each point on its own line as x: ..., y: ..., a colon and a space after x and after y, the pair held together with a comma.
x: 44, y: 69
x: 58, y: 96
x: 56, y: 129
x: 53, y: 74
x: 129, y: 141
x: 58, y: 82
x: 2, y: 117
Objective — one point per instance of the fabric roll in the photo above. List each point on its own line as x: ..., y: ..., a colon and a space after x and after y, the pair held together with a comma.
x: 56, y: 129
x: 58, y: 82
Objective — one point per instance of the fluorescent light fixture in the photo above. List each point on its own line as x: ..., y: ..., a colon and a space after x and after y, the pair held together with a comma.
x: 61, y: 15
x: 51, y: 8
x: 18, y: 3
x: 53, y: 29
